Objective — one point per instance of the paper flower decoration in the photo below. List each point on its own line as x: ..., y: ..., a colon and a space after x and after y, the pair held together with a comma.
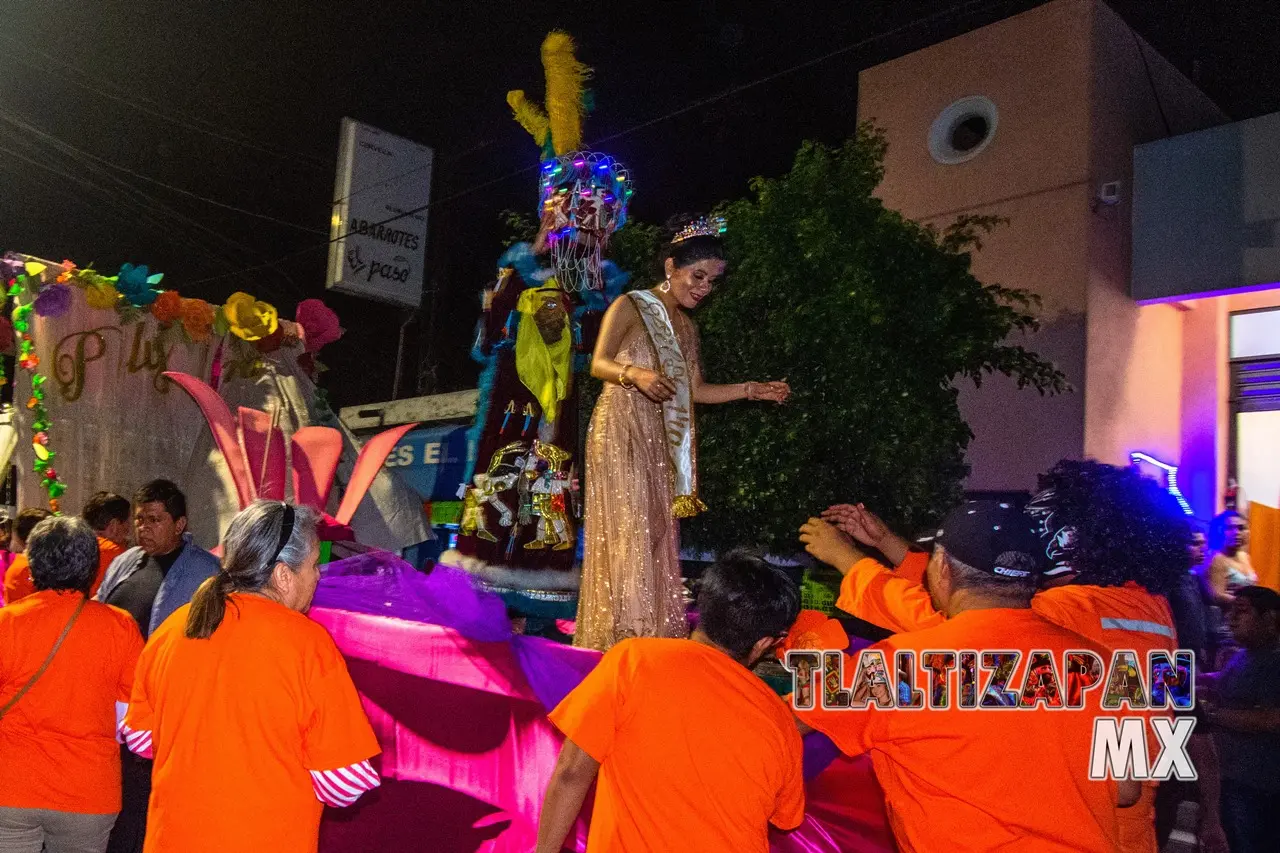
x: 11, y: 265
x: 67, y: 269
x: 101, y: 295
x: 271, y: 342
x: 319, y: 324
x: 135, y: 284
x: 814, y: 630
x: 53, y: 301
x: 250, y: 319
x: 197, y: 319
x: 167, y: 307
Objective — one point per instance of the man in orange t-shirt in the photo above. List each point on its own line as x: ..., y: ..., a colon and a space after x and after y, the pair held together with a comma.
x: 994, y: 777
x: 59, y: 761
x: 108, y: 515
x: 111, y: 517
x: 692, y: 750
x: 17, y: 578
x: 1115, y: 541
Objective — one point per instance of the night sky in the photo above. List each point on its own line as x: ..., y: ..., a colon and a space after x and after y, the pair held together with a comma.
x: 240, y: 102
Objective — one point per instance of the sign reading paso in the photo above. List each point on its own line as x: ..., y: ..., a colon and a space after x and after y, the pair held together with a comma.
x: 985, y: 680
x: 379, y: 227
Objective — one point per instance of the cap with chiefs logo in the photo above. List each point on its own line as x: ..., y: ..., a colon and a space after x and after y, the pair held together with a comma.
x: 994, y: 537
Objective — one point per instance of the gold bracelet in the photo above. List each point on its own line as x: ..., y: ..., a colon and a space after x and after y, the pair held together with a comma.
x: 622, y: 378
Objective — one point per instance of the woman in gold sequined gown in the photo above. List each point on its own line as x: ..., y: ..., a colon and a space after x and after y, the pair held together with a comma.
x: 631, y: 580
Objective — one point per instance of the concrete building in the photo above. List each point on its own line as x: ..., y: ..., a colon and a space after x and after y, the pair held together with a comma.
x: 1041, y: 118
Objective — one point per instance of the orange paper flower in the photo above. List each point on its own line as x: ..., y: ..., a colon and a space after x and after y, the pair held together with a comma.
x: 814, y: 630
x: 167, y: 307
x: 197, y: 318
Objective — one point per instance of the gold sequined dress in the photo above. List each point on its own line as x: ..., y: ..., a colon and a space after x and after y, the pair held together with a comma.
x: 631, y: 584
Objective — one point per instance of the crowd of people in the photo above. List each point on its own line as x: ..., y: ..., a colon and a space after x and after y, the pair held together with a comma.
x: 134, y: 684
x: 1096, y: 561
x: 137, y: 681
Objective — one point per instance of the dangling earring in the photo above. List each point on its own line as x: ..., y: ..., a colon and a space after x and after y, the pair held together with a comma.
x: 665, y: 287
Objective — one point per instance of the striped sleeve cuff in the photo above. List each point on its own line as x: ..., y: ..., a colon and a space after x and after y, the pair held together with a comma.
x: 343, y: 786
x: 139, y: 743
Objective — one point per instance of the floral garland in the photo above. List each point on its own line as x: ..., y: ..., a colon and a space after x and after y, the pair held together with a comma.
x: 132, y: 294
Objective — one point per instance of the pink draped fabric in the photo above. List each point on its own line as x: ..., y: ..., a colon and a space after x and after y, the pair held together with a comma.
x: 461, y: 717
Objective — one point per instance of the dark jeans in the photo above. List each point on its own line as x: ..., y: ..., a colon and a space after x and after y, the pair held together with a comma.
x: 131, y: 826
x: 1250, y: 817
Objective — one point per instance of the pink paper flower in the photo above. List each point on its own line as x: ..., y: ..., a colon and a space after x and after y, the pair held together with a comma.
x: 319, y: 324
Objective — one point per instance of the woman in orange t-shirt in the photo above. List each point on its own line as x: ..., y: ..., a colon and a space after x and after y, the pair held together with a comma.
x: 59, y: 760
x: 246, y: 704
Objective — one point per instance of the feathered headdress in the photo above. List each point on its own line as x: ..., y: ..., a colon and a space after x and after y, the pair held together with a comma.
x: 558, y: 128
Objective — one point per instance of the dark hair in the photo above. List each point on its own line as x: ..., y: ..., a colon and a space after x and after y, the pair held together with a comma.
x: 261, y: 535
x: 104, y: 508
x: 164, y: 492
x: 1123, y: 526
x: 1262, y: 599
x: 63, y: 553
x: 965, y: 576
x: 692, y: 250
x: 744, y: 599
x: 27, y: 521
x: 1218, y: 529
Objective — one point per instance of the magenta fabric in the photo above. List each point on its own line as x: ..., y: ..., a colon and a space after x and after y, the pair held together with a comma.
x: 459, y: 705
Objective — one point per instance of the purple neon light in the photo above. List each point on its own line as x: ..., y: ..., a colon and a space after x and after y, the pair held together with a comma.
x: 1226, y: 291
x: 1171, y: 477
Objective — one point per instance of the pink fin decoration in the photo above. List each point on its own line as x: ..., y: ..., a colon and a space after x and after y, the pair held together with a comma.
x: 263, y: 445
x: 368, y: 464
x: 218, y: 416
x: 316, y: 452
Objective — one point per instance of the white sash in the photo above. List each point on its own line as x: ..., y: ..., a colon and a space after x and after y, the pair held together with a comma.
x: 677, y: 413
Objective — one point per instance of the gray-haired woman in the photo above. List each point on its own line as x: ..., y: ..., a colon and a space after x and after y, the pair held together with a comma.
x: 66, y: 670
x: 246, y: 704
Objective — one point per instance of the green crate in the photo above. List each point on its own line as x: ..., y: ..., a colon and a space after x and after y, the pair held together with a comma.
x: 820, y: 589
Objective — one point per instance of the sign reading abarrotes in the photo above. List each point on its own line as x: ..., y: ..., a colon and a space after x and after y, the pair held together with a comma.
x: 379, y: 228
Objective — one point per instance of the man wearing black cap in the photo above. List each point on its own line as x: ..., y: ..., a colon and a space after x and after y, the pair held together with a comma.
x: 991, y: 777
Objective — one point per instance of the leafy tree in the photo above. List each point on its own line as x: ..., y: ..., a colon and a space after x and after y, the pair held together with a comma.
x: 872, y: 318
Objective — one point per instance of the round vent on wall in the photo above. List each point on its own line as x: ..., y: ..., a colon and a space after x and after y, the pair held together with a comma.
x: 963, y: 130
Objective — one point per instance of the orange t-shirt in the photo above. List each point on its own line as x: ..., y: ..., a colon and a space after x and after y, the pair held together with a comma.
x: 58, y: 744
x: 17, y: 579
x: 695, y: 751
x: 237, y: 721
x: 1115, y: 617
x: 977, y: 780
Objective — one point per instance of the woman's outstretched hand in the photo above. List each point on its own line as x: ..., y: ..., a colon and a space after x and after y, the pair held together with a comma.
x: 773, y: 392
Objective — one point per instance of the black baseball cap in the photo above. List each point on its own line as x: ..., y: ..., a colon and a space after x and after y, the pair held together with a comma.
x: 992, y: 536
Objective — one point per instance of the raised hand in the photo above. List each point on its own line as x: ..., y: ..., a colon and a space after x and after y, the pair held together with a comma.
x: 828, y: 544
x: 859, y: 522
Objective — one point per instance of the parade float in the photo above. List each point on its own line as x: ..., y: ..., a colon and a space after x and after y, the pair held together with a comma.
x: 102, y: 362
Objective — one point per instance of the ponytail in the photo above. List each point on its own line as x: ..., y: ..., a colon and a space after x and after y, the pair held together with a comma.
x: 208, y: 606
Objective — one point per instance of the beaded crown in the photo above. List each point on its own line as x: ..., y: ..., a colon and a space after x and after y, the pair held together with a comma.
x: 706, y: 226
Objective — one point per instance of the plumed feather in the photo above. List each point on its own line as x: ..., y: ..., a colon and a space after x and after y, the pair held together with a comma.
x: 566, y: 79
x: 529, y: 115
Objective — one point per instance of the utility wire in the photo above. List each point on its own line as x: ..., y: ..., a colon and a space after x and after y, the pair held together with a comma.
x: 966, y: 8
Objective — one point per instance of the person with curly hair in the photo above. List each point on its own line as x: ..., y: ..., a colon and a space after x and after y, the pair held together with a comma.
x: 1116, y: 542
